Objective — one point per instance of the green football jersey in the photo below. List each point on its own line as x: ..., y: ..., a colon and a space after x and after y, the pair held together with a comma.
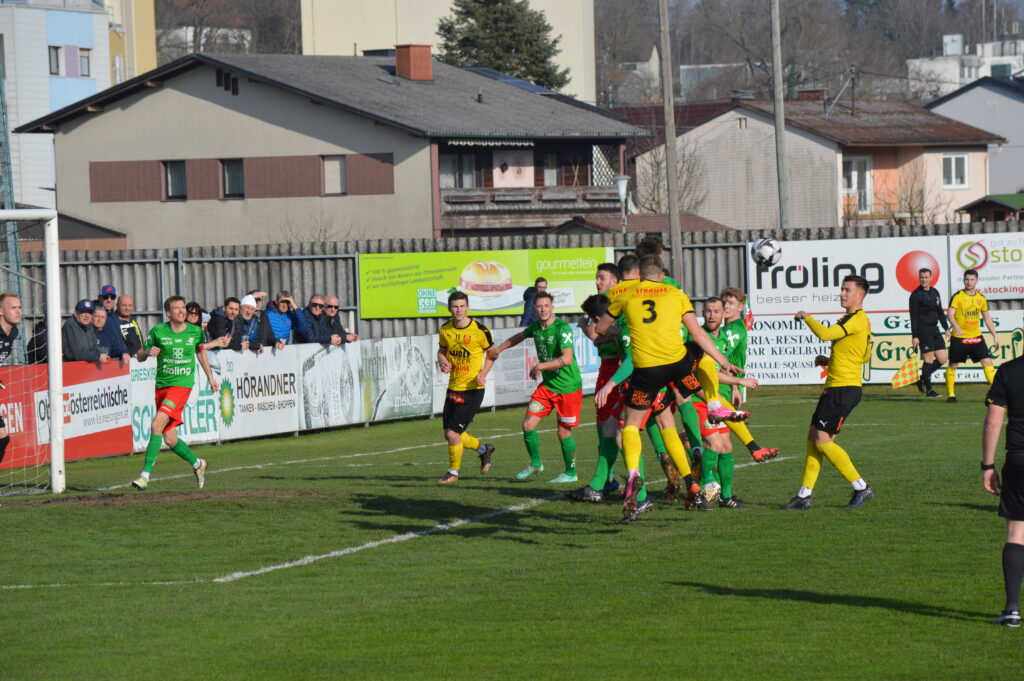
x: 550, y: 342
x: 736, y: 333
x: 176, y: 363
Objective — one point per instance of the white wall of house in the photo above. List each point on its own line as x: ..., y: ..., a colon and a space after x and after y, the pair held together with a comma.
x: 737, y: 150
x: 946, y: 198
x: 189, y: 117
x: 1001, y: 111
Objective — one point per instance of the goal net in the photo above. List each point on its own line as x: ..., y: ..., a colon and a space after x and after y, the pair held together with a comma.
x: 32, y: 456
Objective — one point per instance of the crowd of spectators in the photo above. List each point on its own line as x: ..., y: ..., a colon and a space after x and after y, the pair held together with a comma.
x: 105, y: 328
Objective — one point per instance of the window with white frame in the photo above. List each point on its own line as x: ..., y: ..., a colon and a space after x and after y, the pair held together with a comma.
x: 84, y: 67
x: 55, y: 54
x: 552, y: 170
x: 233, y: 178
x: 954, y: 171
x: 457, y: 170
x: 335, y: 179
x: 174, y: 181
x: 857, y: 180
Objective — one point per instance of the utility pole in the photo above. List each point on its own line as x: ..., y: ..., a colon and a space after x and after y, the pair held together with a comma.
x: 780, y: 117
x: 671, y: 170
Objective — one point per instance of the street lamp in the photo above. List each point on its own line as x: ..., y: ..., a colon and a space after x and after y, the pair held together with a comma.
x: 622, y: 187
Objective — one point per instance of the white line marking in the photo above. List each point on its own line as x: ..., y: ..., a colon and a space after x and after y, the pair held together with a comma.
x: 309, y: 560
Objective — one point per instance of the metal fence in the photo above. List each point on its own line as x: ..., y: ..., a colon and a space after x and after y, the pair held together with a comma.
x: 711, y: 261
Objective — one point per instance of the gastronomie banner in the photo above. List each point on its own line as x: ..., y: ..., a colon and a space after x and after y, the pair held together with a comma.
x: 418, y: 284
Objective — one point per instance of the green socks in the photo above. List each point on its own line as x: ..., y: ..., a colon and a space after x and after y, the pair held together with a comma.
x: 654, y: 432
x: 726, y: 471
x: 643, y: 490
x: 691, y: 423
x: 568, y: 454
x: 532, y: 440
x: 182, y: 450
x: 607, y: 452
x: 709, y: 460
x: 152, y: 449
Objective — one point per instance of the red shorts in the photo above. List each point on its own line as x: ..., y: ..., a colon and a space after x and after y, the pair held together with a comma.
x: 567, y: 406
x: 611, y: 408
x: 706, y: 427
x: 171, y: 401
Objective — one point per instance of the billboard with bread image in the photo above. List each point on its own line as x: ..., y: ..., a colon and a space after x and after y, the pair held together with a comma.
x: 398, y: 285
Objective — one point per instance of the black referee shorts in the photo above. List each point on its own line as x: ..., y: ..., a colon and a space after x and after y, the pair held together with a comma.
x: 963, y: 349
x: 460, y: 406
x: 834, y: 405
x: 931, y: 341
x: 1011, y: 496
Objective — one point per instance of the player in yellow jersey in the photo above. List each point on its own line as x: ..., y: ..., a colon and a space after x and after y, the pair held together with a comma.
x: 461, y: 353
x: 653, y: 312
x: 967, y: 308
x: 851, y: 347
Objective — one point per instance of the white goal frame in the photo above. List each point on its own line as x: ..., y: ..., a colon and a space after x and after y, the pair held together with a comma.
x: 55, y: 369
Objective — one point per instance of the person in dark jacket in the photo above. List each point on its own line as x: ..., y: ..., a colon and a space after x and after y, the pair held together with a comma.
x: 317, y: 328
x: 38, y: 345
x: 540, y: 284
x: 130, y: 329
x: 255, y: 327
x: 109, y: 338
x: 926, y: 313
x: 331, y: 306
x: 226, y: 322
x: 78, y: 336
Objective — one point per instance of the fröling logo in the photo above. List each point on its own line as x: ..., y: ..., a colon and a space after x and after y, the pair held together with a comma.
x: 820, y: 275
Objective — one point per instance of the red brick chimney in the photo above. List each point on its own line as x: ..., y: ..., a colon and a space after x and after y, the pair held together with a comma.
x: 413, y: 62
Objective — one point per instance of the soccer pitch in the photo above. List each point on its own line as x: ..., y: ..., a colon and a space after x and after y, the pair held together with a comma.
x: 336, y: 555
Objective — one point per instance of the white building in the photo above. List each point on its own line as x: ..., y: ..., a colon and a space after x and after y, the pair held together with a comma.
x: 54, y: 52
x: 959, y: 65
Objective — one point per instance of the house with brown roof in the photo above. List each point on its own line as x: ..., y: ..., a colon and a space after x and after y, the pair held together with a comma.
x: 244, y: 149
x: 849, y: 162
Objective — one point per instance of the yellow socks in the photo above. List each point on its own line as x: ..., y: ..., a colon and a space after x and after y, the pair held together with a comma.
x: 674, y: 447
x: 631, y: 447
x: 740, y: 430
x: 470, y: 442
x: 950, y: 381
x: 812, y: 465
x: 990, y: 373
x: 454, y: 457
x: 840, y: 459
x: 707, y: 374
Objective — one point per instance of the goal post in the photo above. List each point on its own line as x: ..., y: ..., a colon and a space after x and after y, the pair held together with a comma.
x: 55, y: 368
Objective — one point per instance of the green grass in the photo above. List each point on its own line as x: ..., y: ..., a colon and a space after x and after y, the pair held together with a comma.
x: 905, y: 588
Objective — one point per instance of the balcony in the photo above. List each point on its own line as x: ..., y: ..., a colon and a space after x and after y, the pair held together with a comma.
x: 522, y: 207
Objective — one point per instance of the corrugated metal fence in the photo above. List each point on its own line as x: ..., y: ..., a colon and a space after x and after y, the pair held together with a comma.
x: 711, y: 261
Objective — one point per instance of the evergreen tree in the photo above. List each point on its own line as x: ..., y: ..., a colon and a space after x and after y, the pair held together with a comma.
x: 505, y: 35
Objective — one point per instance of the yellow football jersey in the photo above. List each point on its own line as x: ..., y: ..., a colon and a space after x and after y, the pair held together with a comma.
x: 653, y: 312
x: 967, y: 311
x: 851, y: 347
x: 465, y: 349
x: 620, y: 288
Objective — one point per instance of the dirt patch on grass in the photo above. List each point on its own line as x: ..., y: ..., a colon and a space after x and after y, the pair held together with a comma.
x: 157, y: 498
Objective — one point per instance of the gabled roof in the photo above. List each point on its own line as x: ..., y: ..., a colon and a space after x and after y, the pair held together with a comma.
x: 446, y: 106
x: 1011, y: 201
x: 688, y: 116
x: 876, y: 123
x: 643, y: 223
x: 1009, y: 84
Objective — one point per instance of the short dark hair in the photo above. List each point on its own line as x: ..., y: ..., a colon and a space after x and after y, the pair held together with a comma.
x: 923, y: 270
x: 610, y: 268
x: 232, y: 299
x: 543, y: 294
x: 282, y: 294
x: 596, y: 305
x: 538, y: 280
x: 714, y: 299
x: 974, y: 272
x: 457, y: 295
x: 174, y: 299
x: 628, y: 263
x: 650, y: 265
x: 649, y: 245
x: 860, y: 281
x: 193, y: 308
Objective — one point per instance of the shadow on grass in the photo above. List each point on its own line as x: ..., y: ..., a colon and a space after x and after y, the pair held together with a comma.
x: 984, y: 508
x: 840, y: 599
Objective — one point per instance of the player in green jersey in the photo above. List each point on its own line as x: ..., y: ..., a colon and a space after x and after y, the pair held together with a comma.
x: 561, y: 388
x: 176, y: 345
x: 735, y: 330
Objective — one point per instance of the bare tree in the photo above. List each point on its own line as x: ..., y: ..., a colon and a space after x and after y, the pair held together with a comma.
x: 651, y: 194
x: 227, y: 26
x: 318, y: 227
x: 625, y: 30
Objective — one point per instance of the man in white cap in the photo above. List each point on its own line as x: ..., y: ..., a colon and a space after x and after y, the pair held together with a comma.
x: 255, y: 328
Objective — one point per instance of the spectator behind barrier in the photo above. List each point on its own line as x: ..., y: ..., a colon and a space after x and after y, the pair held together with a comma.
x: 529, y: 316
x: 259, y: 297
x: 331, y: 306
x: 108, y: 301
x: 284, y: 317
x: 109, y: 338
x: 318, y: 329
x: 131, y: 332
x: 255, y: 328
x: 226, y: 322
x: 195, y: 314
x: 78, y: 336
x: 38, y: 344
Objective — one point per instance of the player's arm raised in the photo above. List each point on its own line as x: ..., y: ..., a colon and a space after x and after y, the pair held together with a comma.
x: 706, y: 344
x: 515, y: 340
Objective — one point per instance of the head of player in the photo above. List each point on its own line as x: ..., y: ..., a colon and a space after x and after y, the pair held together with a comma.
x: 852, y: 292
x: 629, y: 267
x: 714, y: 314
x: 596, y: 306
x: 970, y: 281
x: 544, y: 308
x: 651, y: 269
x: 924, y: 276
x: 650, y: 245
x: 458, y: 306
x: 733, y: 301
x: 174, y: 308
x: 607, y: 276
x: 10, y: 309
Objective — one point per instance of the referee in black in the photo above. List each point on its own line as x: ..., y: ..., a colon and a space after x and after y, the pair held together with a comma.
x: 1006, y: 396
x: 926, y: 314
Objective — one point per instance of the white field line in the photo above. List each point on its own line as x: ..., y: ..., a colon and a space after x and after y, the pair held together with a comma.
x: 309, y: 560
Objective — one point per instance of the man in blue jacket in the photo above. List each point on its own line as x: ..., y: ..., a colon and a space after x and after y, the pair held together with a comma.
x: 285, y: 317
x: 318, y: 328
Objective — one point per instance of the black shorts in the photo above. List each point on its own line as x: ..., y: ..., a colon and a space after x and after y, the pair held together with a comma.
x: 3, y: 424
x: 646, y: 382
x: 460, y: 406
x: 960, y: 351
x: 834, y: 405
x: 931, y: 341
x: 1011, y: 496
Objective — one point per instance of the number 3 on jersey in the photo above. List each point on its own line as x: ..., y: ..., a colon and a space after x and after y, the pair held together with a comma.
x: 649, y: 304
